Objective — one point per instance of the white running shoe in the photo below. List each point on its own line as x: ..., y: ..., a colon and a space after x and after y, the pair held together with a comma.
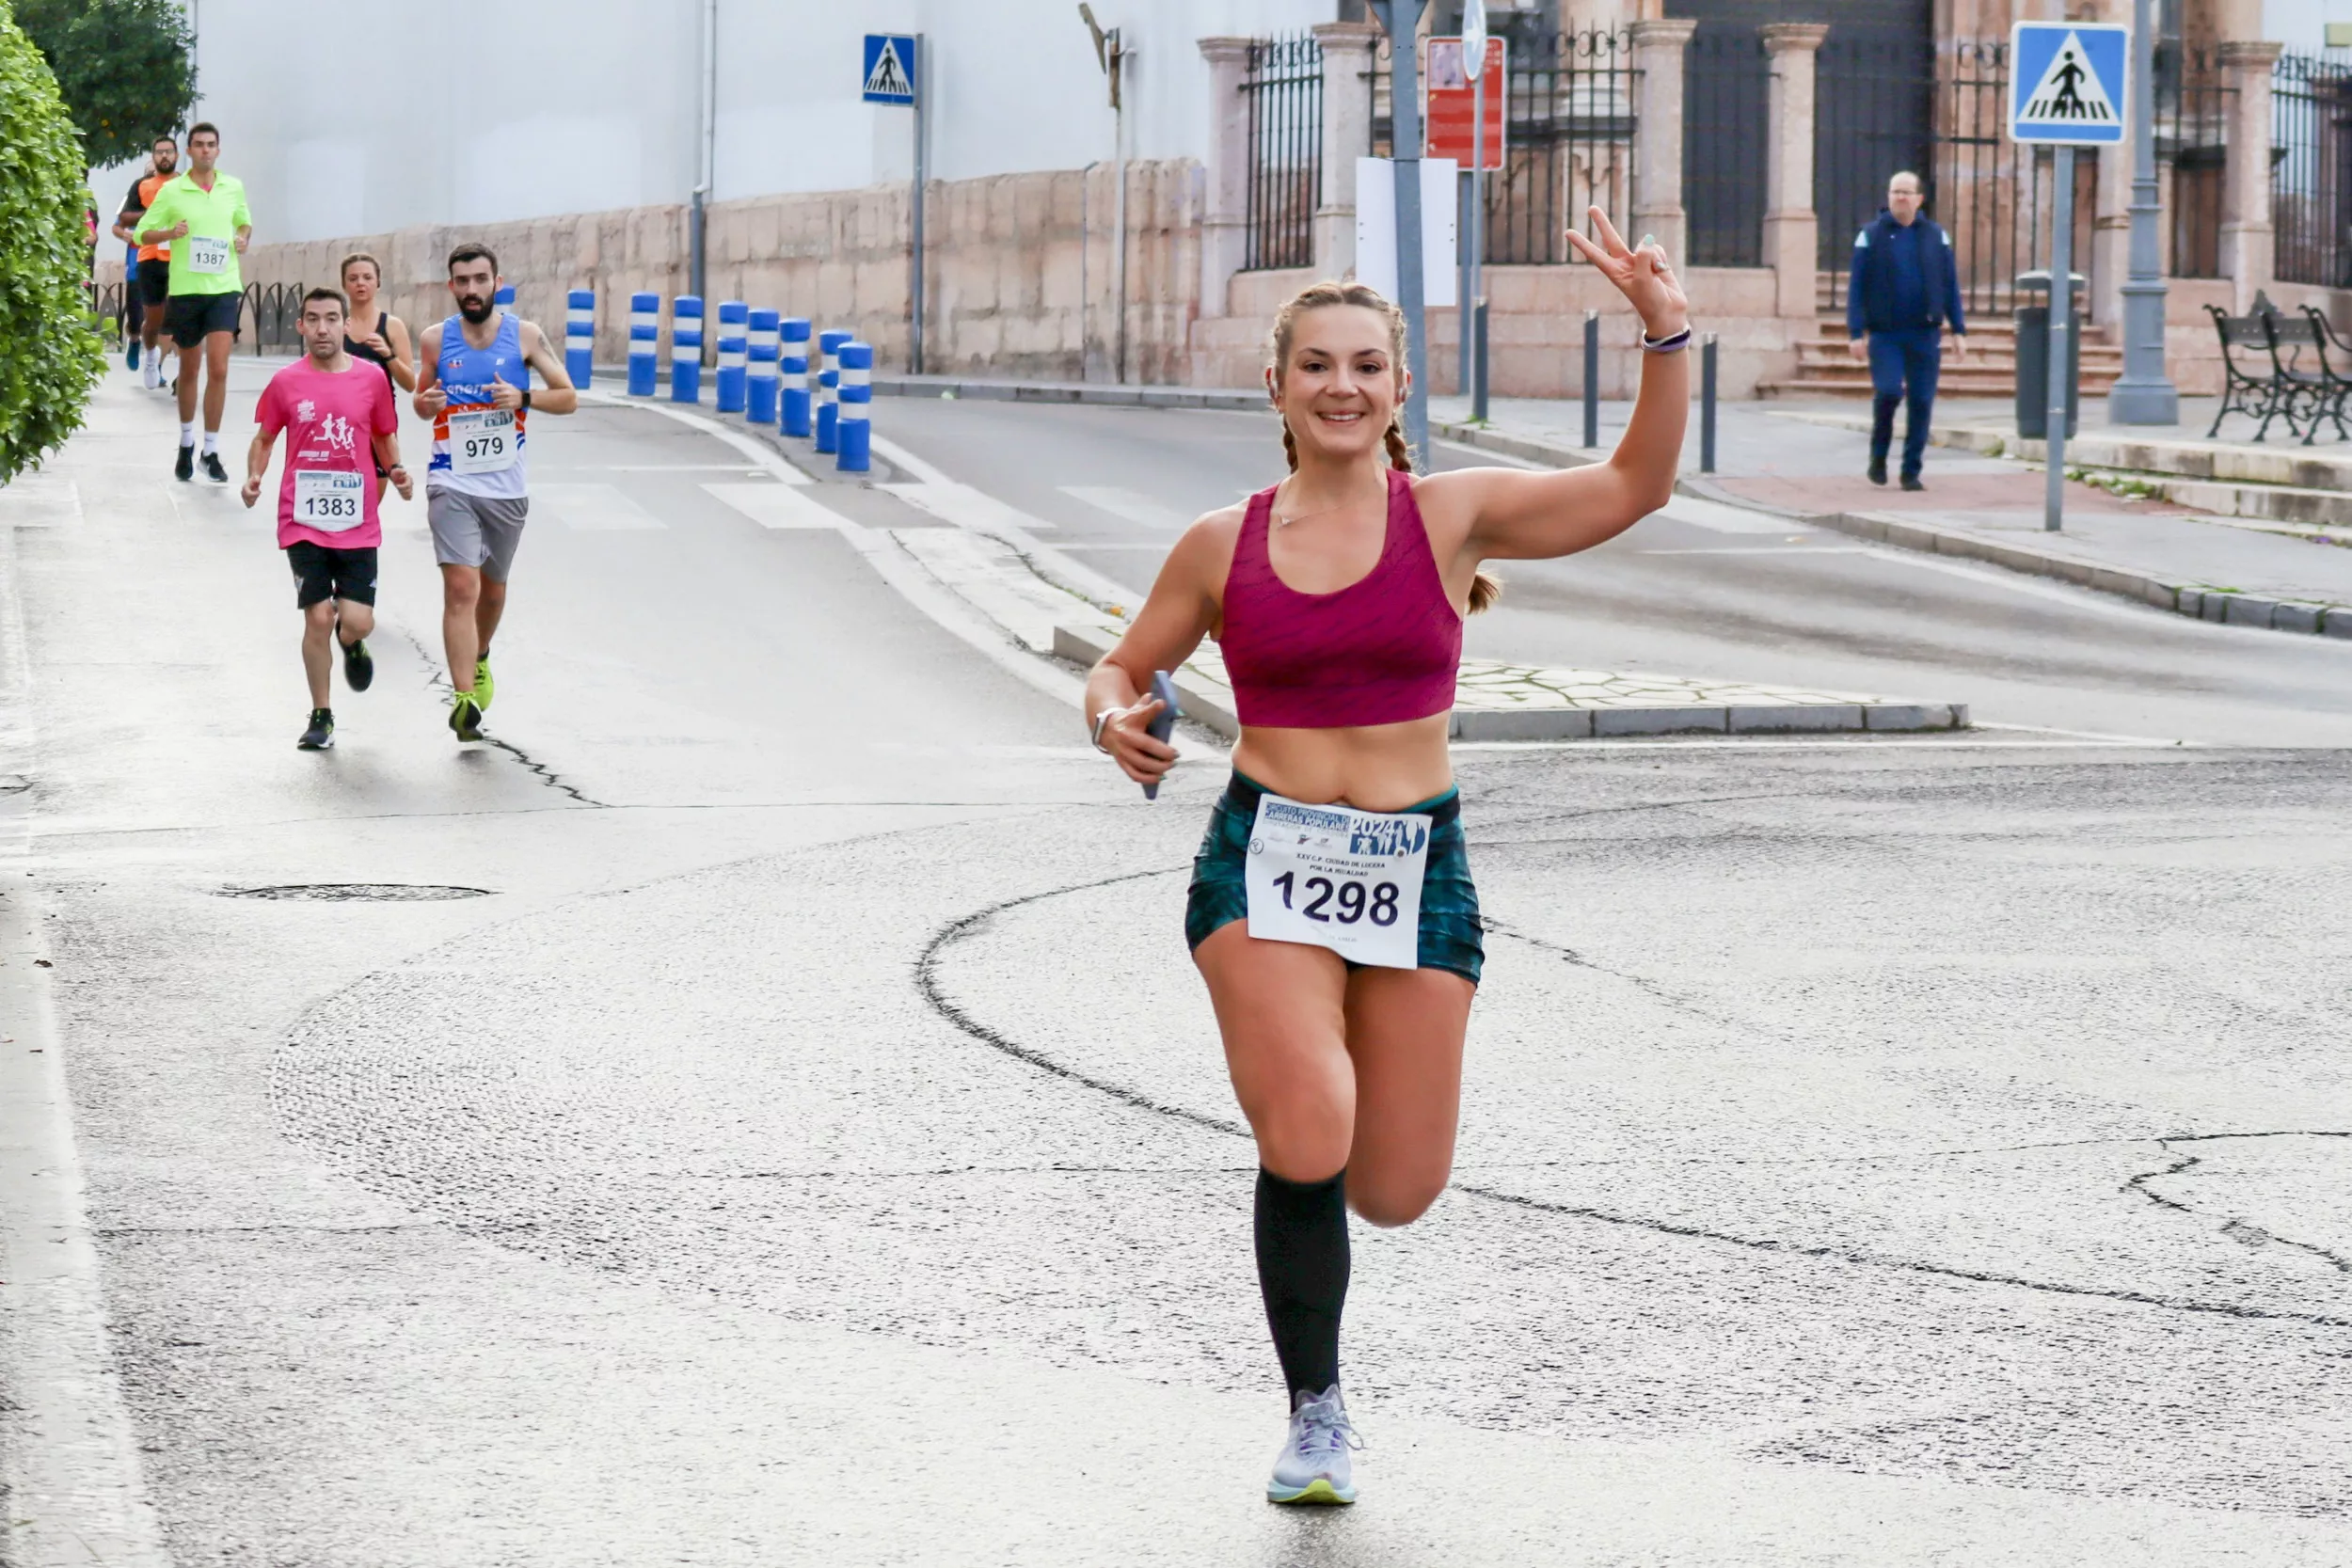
x: 1314, y: 1466
x: 152, y: 373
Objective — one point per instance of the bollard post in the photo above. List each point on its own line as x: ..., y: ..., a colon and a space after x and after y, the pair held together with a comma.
x: 761, y: 353
x: 1478, y: 386
x: 732, y: 315
x: 1706, y: 406
x: 1592, y: 378
x: 829, y: 389
x: 857, y: 409
x: 505, y: 298
x: 579, y: 335
x: 792, y: 410
x: 644, y: 342
x: 686, y: 349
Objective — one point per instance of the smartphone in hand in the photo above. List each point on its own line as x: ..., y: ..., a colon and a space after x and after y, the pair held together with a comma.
x: 1164, y: 724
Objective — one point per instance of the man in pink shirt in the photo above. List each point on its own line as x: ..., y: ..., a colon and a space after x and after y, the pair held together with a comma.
x: 344, y: 436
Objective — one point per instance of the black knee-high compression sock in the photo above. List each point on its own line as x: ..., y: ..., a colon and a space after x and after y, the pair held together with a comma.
x: 1302, y: 1271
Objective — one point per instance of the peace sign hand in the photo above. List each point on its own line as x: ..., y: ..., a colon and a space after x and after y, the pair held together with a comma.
x: 1642, y: 276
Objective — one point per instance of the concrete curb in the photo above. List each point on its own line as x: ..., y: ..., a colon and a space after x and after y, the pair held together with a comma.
x: 1211, y: 704
x: 1116, y: 395
x: 2223, y: 607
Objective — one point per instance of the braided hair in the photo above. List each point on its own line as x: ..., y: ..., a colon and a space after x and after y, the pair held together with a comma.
x: 1486, y: 588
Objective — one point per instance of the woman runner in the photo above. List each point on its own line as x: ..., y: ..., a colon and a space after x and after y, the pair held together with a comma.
x: 375, y: 334
x: 1337, y: 598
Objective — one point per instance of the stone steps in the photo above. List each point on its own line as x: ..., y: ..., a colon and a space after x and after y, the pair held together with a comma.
x: 1825, y: 365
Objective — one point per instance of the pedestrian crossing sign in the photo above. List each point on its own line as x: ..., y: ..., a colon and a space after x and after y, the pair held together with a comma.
x: 889, y: 67
x: 2068, y: 82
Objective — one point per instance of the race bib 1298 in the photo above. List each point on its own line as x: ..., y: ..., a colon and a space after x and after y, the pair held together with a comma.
x: 482, y: 440
x: 329, y: 499
x: 1338, y: 877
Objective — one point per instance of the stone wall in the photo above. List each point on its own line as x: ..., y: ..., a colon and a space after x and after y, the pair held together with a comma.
x: 1020, y: 268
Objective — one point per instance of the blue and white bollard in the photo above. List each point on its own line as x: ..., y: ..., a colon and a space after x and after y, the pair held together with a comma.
x: 733, y: 313
x: 829, y: 389
x: 505, y: 298
x: 580, y: 336
x: 857, y: 409
x: 761, y: 354
x: 792, y: 406
x: 644, y: 343
x: 686, y: 349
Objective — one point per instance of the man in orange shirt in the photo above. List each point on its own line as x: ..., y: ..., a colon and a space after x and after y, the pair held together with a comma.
x: 152, y: 279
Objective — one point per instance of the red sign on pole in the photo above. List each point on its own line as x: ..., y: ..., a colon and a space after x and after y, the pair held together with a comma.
x: 1447, y: 115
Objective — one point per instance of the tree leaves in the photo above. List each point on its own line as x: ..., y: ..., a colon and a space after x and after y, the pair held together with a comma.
x: 50, y: 354
x: 124, y: 67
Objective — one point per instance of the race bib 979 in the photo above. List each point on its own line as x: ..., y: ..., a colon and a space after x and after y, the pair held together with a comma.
x: 329, y: 499
x: 1338, y: 877
x: 482, y: 440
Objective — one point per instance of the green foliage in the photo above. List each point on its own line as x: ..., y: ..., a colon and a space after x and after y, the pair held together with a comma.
x: 49, y: 355
x: 122, y: 65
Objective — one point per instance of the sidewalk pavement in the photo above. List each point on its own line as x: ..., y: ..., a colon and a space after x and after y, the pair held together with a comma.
x: 1802, y: 460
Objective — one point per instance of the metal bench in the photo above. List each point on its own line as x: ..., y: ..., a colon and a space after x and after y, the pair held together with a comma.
x: 2335, y: 374
x: 2281, y: 389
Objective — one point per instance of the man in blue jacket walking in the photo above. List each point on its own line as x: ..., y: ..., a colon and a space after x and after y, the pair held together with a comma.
x: 1904, y: 290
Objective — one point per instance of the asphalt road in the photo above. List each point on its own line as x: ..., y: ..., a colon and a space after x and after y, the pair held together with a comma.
x: 809, y: 1144
x: 1698, y: 590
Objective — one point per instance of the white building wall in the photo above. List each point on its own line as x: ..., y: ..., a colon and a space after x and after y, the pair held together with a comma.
x: 480, y: 111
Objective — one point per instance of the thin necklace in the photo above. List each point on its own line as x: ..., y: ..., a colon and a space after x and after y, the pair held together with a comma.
x: 1282, y: 521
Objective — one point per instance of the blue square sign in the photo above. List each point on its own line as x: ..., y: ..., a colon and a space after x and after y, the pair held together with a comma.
x: 889, y: 67
x: 2068, y: 82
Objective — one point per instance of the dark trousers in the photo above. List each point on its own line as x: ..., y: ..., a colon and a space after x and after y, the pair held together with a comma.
x: 1904, y: 368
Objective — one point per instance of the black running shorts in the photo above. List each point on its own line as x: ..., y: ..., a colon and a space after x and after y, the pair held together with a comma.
x: 192, y: 317
x: 321, y: 573
x: 154, y: 280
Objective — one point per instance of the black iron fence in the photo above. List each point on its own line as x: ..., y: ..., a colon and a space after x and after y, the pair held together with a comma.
x: 1874, y: 115
x: 2311, y: 175
x: 272, y: 312
x: 1282, y: 93
x: 1724, y: 88
x: 1569, y: 138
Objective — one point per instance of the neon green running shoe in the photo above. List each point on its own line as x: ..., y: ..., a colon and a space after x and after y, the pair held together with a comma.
x: 465, y: 716
x: 484, y: 688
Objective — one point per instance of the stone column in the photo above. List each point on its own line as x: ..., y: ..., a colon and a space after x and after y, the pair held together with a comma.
x: 1658, y: 45
x: 2111, y: 204
x: 2248, y: 242
x: 1224, y: 220
x: 1347, y: 51
x: 1792, y: 237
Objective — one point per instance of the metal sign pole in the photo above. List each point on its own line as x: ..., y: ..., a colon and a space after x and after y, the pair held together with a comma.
x: 1468, y: 312
x: 922, y: 179
x: 1402, y: 18
x: 2061, y: 327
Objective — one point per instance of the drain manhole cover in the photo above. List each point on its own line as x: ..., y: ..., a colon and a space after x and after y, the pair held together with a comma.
x: 355, y: 893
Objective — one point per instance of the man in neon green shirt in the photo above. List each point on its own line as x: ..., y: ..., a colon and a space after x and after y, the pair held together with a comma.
x: 202, y: 216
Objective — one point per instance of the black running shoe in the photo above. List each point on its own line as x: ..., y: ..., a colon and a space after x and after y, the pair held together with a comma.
x: 1877, y: 471
x: 212, y: 470
x: 465, y: 718
x: 359, y: 665
x: 1911, y: 482
x: 321, y: 735
x: 184, y: 469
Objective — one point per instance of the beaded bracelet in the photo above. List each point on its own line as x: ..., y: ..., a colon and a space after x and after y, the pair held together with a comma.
x: 1675, y: 343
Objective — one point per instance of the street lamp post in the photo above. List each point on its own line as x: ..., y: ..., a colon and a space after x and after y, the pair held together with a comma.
x: 2144, y: 395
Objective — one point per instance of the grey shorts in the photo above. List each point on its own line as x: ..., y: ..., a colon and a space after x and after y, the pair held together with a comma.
x: 476, y: 530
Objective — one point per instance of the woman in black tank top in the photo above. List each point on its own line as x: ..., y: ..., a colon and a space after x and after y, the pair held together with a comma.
x: 385, y: 342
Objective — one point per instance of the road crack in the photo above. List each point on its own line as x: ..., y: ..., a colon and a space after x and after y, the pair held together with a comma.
x: 2234, y: 1227
x: 547, y: 775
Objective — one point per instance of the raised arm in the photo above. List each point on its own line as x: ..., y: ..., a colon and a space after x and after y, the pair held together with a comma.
x: 401, y: 366
x: 1183, y: 608
x: 1509, y: 514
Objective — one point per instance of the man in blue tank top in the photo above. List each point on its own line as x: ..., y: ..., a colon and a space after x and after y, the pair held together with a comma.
x: 473, y: 382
